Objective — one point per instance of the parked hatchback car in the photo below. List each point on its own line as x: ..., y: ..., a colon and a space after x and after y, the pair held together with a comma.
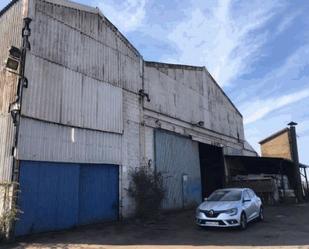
x: 230, y: 207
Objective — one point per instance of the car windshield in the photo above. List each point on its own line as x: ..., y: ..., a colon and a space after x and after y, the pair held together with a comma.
x: 225, y: 195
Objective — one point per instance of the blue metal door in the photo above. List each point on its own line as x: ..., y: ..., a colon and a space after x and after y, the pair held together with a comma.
x: 48, y: 197
x: 98, y: 193
x: 57, y: 196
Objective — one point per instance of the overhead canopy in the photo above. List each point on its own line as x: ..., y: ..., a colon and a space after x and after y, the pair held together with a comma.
x: 244, y: 165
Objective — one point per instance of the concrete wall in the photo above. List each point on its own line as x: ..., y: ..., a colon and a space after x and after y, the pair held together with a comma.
x: 278, y: 146
x: 10, y: 33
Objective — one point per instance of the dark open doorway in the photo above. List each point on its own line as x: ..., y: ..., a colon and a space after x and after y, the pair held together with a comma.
x: 212, y: 168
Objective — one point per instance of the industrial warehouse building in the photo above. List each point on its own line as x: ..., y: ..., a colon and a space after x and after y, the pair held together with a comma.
x: 93, y: 109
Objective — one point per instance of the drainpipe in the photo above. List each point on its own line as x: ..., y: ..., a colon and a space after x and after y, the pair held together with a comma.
x: 295, y: 159
x: 15, y: 108
x: 22, y: 83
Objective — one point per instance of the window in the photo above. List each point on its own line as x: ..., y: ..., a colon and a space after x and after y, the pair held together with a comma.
x: 225, y: 195
x: 246, y: 195
x: 251, y: 193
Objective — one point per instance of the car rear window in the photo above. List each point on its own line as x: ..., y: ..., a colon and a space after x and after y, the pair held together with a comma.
x: 225, y: 195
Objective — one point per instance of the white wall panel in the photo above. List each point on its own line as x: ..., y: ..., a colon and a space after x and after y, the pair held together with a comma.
x: 6, y: 143
x: 10, y: 35
x: 173, y: 98
x: 101, y: 54
x: 60, y: 95
x: 42, y: 141
x: 191, y: 95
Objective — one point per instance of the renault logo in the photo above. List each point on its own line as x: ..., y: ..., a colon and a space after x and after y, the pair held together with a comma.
x: 211, y: 212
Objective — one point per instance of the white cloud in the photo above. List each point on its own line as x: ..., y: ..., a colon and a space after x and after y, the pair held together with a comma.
x: 127, y: 15
x: 287, y: 21
x: 258, y: 109
x: 222, y: 37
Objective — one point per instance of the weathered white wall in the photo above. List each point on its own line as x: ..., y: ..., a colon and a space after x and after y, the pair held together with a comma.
x: 86, y: 43
x: 188, y: 95
x: 82, y: 103
x: 58, y: 94
x: 43, y: 141
x: 10, y: 34
x: 131, y: 147
x: 6, y: 143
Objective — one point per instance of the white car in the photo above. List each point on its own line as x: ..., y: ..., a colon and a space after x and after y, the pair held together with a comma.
x: 231, y: 207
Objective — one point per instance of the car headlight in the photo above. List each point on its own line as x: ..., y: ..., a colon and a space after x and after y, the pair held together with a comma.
x: 232, y: 211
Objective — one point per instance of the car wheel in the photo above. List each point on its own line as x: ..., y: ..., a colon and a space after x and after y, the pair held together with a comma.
x: 261, y: 214
x: 243, y: 221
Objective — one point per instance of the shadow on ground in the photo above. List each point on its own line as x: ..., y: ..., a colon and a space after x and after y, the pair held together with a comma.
x: 284, y: 226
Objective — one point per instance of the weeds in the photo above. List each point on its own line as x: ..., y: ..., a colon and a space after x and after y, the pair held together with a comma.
x: 8, y: 210
x: 147, y: 190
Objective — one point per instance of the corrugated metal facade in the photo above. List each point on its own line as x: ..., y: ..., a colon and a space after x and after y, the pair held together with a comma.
x: 177, y: 158
x: 85, y: 43
x: 10, y: 35
x: 60, y: 95
x: 42, y: 141
x: 171, y: 88
x: 83, y: 105
x: 57, y: 196
x: 6, y: 142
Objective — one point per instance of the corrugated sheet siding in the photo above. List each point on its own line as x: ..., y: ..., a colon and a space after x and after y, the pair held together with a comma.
x: 175, y: 157
x: 41, y: 141
x: 170, y: 89
x: 60, y: 95
x: 10, y: 33
x: 6, y: 142
x: 169, y: 96
x: 85, y: 43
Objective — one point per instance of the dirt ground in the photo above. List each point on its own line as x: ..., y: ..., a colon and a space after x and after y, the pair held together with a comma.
x: 284, y: 227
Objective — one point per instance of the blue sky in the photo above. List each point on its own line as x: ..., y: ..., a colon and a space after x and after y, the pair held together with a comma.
x: 257, y: 50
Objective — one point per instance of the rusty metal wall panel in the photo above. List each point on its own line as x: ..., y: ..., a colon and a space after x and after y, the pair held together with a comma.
x: 42, y: 141
x: 10, y: 33
x: 58, y: 94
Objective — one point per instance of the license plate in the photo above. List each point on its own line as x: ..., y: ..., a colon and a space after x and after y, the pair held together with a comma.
x: 211, y: 223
